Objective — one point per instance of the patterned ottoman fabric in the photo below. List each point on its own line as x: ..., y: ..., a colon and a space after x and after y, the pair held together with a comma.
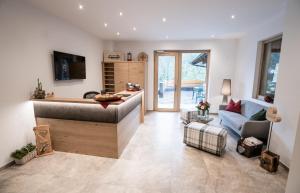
x: 205, y: 137
x: 188, y: 115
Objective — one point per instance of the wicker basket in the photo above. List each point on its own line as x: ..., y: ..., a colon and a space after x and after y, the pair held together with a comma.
x: 248, y: 151
x: 26, y: 158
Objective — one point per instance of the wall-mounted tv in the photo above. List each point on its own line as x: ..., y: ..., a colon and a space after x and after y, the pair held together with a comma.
x: 68, y: 66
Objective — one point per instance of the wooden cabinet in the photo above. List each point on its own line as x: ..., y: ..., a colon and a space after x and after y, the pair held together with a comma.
x: 117, y: 74
x: 136, y: 73
x: 121, y: 76
x: 108, y: 77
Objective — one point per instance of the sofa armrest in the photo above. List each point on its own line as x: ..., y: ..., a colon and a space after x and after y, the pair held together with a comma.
x: 257, y: 129
x: 222, y: 107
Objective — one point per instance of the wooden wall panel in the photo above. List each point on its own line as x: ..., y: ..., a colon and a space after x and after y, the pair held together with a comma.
x: 127, y: 127
x: 93, y: 138
x: 83, y: 137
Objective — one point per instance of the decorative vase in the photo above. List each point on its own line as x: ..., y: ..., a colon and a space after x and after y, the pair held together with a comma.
x: 202, y: 113
x: 207, y: 113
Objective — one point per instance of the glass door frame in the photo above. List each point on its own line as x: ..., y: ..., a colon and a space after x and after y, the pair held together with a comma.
x: 176, y: 86
x: 178, y: 70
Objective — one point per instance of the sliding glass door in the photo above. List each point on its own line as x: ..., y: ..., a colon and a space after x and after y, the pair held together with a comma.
x: 166, y: 76
x: 193, y: 78
x: 180, y: 79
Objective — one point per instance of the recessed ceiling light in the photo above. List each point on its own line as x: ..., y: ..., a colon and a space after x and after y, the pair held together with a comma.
x: 121, y: 13
x: 118, y: 33
x: 167, y: 37
x: 80, y: 7
x: 134, y: 28
x: 212, y: 36
x: 232, y: 16
x: 105, y: 24
x: 164, y: 19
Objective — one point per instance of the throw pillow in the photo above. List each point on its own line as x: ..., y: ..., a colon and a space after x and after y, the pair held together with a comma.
x: 234, y: 106
x: 259, y: 116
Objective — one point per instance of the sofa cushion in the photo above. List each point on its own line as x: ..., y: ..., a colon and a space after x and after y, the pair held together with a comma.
x: 259, y: 116
x: 249, y: 108
x: 236, y: 120
x: 234, y: 106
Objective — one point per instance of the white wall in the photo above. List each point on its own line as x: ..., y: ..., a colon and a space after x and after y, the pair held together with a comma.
x: 246, y: 56
x: 287, y: 94
x: 293, y: 184
x: 27, y: 39
x: 222, y: 64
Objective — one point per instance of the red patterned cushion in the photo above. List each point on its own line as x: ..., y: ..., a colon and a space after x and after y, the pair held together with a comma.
x: 234, y: 107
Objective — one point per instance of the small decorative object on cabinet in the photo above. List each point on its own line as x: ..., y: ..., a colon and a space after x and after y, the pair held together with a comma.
x: 43, y: 140
x: 50, y: 95
x: 143, y: 57
x: 129, y: 56
x: 39, y: 93
x: 24, y: 155
x: 113, y: 56
x: 270, y: 160
x: 133, y: 87
x: 249, y: 147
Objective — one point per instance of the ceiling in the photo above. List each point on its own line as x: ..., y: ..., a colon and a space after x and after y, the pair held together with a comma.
x: 186, y: 19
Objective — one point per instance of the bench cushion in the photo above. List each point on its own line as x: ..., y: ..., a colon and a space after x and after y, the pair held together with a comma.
x: 205, y: 137
x: 188, y: 115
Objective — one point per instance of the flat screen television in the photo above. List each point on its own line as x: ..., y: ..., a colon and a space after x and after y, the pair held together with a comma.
x: 68, y: 66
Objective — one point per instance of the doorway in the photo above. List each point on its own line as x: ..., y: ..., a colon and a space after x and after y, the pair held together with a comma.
x: 181, y: 79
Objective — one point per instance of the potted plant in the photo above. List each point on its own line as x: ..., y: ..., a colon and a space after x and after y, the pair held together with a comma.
x: 203, y: 108
x: 27, y: 153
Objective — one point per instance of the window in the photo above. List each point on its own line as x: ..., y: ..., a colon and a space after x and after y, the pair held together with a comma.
x: 270, y: 54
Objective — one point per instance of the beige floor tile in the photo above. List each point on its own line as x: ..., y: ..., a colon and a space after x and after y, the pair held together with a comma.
x: 155, y: 161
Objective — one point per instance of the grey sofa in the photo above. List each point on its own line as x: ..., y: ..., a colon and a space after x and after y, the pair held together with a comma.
x: 241, y: 123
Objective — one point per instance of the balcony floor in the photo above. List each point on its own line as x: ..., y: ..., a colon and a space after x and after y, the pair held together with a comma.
x: 187, y: 100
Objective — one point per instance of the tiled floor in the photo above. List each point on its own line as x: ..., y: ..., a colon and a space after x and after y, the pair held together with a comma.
x: 155, y: 160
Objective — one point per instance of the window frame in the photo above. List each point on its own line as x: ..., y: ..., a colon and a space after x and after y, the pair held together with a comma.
x: 259, y: 65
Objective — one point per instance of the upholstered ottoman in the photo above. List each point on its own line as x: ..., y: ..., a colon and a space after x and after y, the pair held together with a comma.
x: 188, y: 115
x: 205, y: 137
